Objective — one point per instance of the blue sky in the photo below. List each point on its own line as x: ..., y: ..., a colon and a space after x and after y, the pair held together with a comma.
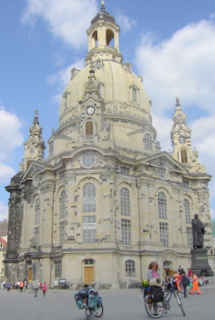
x: 171, y: 43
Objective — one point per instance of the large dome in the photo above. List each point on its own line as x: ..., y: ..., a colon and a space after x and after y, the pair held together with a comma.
x: 120, y: 91
x: 119, y: 87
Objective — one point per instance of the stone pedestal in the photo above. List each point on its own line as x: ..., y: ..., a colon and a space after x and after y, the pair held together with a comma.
x: 199, y: 262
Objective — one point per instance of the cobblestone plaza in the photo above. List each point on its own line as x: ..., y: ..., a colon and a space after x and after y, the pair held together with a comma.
x: 125, y: 304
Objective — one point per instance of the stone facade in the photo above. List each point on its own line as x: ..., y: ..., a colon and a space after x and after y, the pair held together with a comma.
x: 107, y: 201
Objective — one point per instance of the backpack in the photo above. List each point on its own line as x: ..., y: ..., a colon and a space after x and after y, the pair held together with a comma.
x: 156, y: 294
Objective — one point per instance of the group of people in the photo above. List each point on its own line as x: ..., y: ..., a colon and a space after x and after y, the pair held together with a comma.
x: 180, y: 278
x: 36, y: 285
x: 20, y: 286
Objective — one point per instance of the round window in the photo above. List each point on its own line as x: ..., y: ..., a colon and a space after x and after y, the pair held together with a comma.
x: 88, y: 160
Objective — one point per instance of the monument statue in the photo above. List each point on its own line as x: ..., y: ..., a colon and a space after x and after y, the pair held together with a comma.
x: 198, y: 229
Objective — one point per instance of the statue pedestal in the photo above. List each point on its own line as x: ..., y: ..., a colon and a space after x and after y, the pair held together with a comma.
x: 199, y: 262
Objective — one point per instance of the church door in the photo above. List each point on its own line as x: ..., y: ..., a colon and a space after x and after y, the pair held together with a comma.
x: 88, y: 275
x: 30, y: 274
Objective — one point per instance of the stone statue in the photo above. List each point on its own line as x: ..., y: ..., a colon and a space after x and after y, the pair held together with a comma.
x: 198, y: 232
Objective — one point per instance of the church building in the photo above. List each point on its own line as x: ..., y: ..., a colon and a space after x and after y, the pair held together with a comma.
x: 106, y: 201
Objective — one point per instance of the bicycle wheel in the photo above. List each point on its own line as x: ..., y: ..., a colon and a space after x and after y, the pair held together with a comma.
x: 179, y: 303
x: 154, y: 309
x: 99, y: 312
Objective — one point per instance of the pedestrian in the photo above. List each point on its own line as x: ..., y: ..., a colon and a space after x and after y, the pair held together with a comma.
x: 184, y: 282
x: 176, y: 278
x: 18, y: 286
x: 153, y: 271
x: 55, y: 284
x: 180, y: 270
x: 36, y: 284
x: 21, y: 285
x: 8, y: 285
x: 44, y: 288
x: 195, y: 287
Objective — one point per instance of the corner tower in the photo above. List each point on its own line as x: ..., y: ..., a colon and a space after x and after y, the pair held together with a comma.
x: 181, y: 141
x: 34, y: 146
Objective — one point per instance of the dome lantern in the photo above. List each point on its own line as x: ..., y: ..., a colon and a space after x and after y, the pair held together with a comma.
x: 103, y: 38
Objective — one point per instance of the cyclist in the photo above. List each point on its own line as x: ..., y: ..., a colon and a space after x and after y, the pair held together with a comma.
x: 153, y: 271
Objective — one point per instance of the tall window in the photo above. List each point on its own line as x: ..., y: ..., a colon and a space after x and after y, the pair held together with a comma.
x: 89, y: 229
x: 148, y: 141
x: 162, y: 207
x: 125, y: 202
x: 164, y: 233
x: 162, y: 171
x: 126, y: 231
x: 89, y: 128
x: 130, y: 268
x: 36, y: 236
x: 37, y: 211
x: 58, y: 268
x: 134, y: 94
x: 184, y: 158
x: 62, y: 204
x: 62, y: 232
x: 189, y: 236
x: 187, y: 210
x: 89, y: 197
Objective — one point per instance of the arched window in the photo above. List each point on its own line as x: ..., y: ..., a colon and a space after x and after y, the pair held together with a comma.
x: 130, y: 268
x: 37, y: 211
x: 89, y: 128
x: 184, y: 158
x: 95, y: 39
x: 187, y: 210
x: 162, y: 207
x: 62, y: 204
x: 125, y: 202
x: 88, y: 261
x: 89, y: 197
x: 109, y: 38
x: 148, y: 141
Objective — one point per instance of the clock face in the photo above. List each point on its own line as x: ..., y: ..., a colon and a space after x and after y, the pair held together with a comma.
x: 90, y: 110
x: 182, y: 140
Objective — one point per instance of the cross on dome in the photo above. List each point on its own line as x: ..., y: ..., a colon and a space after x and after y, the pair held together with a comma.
x: 102, y: 5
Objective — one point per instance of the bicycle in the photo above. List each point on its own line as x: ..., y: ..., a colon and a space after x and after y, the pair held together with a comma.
x: 89, y: 300
x: 157, y: 302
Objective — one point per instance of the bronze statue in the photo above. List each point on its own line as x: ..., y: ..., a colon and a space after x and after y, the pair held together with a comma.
x: 198, y: 232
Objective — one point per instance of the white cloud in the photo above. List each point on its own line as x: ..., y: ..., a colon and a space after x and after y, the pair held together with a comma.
x: 3, y: 212
x: 182, y: 66
x: 11, y: 138
x: 66, y: 19
x: 10, y: 134
x: 6, y: 172
x: 125, y: 22
x: 62, y: 77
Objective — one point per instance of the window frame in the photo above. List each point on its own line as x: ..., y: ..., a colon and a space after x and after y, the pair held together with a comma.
x: 126, y: 231
x: 130, y: 269
x: 89, y: 229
